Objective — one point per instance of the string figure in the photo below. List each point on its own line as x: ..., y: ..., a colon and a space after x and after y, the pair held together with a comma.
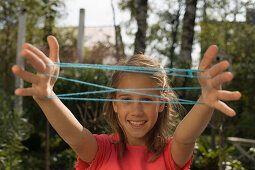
x: 126, y: 69
x: 139, y: 108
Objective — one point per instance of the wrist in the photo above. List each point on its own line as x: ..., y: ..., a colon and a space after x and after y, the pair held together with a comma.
x: 50, y: 92
x: 202, y: 100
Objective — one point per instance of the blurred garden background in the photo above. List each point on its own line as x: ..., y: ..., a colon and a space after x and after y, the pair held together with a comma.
x: 175, y: 32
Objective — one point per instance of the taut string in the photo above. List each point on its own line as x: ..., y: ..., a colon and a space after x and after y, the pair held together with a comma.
x: 146, y: 70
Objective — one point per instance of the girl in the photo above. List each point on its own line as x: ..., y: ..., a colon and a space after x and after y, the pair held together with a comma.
x: 142, y: 139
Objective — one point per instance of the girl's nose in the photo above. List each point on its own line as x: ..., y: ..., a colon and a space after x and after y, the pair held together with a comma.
x: 137, y: 109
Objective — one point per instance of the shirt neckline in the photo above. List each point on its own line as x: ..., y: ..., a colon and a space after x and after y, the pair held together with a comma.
x: 136, y: 147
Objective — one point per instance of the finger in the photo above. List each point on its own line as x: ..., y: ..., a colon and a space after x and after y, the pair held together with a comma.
x: 36, y: 62
x: 221, y: 106
x: 26, y: 92
x: 54, y: 48
x: 37, y: 52
x: 27, y: 76
x: 221, y: 78
x: 218, y: 68
x: 209, y: 55
x: 228, y: 96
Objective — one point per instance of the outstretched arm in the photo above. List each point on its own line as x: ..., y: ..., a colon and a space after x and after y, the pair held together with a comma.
x: 199, y: 116
x: 60, y: 117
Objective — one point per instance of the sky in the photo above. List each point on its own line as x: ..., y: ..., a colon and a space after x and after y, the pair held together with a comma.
x: 97, y: 13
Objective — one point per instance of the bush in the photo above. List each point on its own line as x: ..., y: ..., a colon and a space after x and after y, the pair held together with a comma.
x: 14, y: 129
x: 207, y: 158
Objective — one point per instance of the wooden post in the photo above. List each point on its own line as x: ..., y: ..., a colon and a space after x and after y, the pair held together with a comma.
x: 47, y: 146
x: 18, y: 105
x: 80, y: 38
x: 116, y: 29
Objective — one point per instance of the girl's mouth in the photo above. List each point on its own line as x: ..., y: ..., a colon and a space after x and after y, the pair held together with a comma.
x: 136, y: 124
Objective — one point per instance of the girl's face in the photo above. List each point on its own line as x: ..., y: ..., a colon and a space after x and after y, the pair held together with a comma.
x: 137, y: 118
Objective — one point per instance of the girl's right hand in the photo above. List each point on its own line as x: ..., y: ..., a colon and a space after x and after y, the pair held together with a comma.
x: 41, y: 85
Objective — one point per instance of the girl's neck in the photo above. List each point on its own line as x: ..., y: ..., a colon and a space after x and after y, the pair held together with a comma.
x: 137, y: 142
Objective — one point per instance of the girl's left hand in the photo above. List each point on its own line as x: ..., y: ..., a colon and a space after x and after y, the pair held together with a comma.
x: 213, y: 96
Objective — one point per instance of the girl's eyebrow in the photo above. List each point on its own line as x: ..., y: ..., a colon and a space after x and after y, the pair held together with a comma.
x: 127, y: 95
x: 121, y: 95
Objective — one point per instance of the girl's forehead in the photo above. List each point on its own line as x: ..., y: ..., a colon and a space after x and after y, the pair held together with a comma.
x: 136, y: 81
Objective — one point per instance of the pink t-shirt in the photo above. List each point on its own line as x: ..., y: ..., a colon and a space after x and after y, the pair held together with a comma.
x: 136, y: 158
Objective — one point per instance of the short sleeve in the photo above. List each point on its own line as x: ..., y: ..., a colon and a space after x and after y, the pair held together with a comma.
x: 103, y: 149
x: 170, y: 160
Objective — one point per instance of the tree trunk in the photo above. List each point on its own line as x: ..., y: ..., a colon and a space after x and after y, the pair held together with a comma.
x: 205, y: 45
x: 175, y: 29
x: 185, y: 60
x: 141, y: 16
x: 119, y: 47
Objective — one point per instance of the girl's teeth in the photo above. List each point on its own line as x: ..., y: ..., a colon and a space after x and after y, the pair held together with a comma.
x: 137, y: 123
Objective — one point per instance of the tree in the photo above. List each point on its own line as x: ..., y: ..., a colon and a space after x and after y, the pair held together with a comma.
x: 164, y: 35
x: 141, y: 19
x: 138, y: 10
x: 185, y: 59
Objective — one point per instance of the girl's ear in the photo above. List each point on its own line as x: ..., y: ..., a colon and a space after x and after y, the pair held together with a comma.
x: 114, y: 104
x: 161, y: 107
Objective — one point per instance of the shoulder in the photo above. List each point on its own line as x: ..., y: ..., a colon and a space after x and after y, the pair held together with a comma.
x: 103, y: 138
x: 169, y: 159
x: 105, y: 148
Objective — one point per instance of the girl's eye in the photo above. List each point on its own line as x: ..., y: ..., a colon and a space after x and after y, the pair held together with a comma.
x: 147, y: 99
x: 125, y: 99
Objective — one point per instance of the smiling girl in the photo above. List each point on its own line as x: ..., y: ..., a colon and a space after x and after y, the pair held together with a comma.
x: 142, y: 123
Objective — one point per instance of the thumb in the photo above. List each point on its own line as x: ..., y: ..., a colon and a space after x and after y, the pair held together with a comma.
x: 54, y: 48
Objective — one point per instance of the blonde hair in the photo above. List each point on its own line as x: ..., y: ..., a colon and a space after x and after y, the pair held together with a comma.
x: 159, y: 135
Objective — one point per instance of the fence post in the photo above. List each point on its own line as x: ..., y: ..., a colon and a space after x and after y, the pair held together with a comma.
x: 80, y: 38
x: 19, y: 83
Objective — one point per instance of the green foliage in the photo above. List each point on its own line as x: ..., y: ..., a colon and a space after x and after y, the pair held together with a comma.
x: 88, y: 112
x: 240, y: 54
x: 62, y: 159
x: 14, y: 129
x: 208, y: 158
